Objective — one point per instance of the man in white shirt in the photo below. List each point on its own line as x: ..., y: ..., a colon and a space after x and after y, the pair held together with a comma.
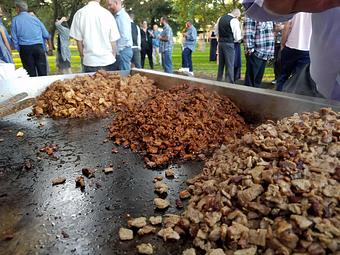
x: 228, y: 31
x: 295, y: 46
x: 95, y: 30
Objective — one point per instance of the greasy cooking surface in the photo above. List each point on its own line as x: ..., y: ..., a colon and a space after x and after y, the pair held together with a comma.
x: 43, y: 219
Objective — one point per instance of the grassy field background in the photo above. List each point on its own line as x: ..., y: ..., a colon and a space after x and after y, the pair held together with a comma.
x: 202, y: 66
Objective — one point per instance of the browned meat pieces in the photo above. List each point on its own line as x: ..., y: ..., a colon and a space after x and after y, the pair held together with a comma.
x: 80, y: 182
x: 49, y: 149
x: 275, y: 191
x: 182, y: 123
x: 92, y: 96
x: 88, y: 172
x: 145, y: 248
x: 125, y: 234
x: 161, y: 203
x: 58, y: 181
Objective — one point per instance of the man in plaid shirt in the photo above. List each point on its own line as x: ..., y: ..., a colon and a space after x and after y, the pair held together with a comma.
x: 259, y: 43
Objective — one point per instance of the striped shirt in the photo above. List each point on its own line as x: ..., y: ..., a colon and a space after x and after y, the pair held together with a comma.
x: 259, y: 38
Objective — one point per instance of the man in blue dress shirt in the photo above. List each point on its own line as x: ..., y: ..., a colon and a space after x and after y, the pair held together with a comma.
x: 189, y: 45
x: 124, y: 44
x: 28, y: 35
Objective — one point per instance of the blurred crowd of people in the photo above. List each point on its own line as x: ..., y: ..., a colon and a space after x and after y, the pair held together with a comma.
x: 108, y: 38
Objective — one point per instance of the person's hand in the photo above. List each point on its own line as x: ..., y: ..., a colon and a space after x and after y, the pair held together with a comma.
x: 248, y: 53
x: 50, y: 52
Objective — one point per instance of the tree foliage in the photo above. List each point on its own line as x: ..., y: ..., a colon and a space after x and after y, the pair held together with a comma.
x: 202, y: 13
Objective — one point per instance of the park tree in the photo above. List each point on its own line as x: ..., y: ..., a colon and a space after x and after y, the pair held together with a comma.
x: 150, y: 10
x: 202, y: 13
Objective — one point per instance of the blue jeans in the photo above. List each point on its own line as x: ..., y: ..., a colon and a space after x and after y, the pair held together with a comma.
x: 123, y: 59
x: 292, y: 61
x: 187, y: 59
x: 167, y: 61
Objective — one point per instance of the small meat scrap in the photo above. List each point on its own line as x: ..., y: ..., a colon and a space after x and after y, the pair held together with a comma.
x: 146, y: 230
x: 158, y: 179
x: 58, y: 181
x: 258, y: 237
x: 184, y: 194
x: 115, y: 151
x: 168, y: 234
x: 249, y: 251
x: 145, y: 248
x: 49, y: 149
x: 2, y: 140
x: 170, y: 173
x: 108, y: 170
x: 216, y: 252
x: 137, y: 222
x: 125, y: 234
x: 156, y: 220
x: 20, y: 134
x: 80, y: 182
x: 302, y: 221
x: 161, y: 188
x: 89, y: 172
x: 161, y: 203
x: 301, y: 185
x: 190, y: 251
x: 171, y: 220
x: 250, y: 194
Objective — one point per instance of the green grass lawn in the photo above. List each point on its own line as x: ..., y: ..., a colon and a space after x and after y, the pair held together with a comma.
x: 202, y: 65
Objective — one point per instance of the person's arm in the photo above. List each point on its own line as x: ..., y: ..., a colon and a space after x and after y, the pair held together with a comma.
x: 249, y: 35
x: 114, y: 48
x: 236, y: 29
x: 14, y: 35
x: 285, y: 33
x: 80, y: 47
x: 164, y: 36
x: 4, y: 38
x: 190, y: 36
x: 46, y: 36
x: 139, y: 39
x: 216, y: 28
x: 292, y: 6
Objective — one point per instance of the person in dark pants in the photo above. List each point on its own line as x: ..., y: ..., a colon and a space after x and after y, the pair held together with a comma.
x: 295, y: 44
x: 28, y: 35
x: 278, y: 29
x: 259, y: 48
x: 146, y: 44
x: 228, y: 31
x: 136, y: 43
x: 213, y: 47
x: 189, y: 45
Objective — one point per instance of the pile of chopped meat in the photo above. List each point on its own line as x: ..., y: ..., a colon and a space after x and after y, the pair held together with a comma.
x: 93, y: 96
x: 275, y: 191
x: 184, y: 122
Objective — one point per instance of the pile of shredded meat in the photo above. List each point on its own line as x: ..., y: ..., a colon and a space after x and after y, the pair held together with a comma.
x: 93, y: 96
x: 184, y: 122
x: 275, y: 191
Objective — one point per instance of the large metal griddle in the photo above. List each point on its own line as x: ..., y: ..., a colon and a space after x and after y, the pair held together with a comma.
x: 36, y: 215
